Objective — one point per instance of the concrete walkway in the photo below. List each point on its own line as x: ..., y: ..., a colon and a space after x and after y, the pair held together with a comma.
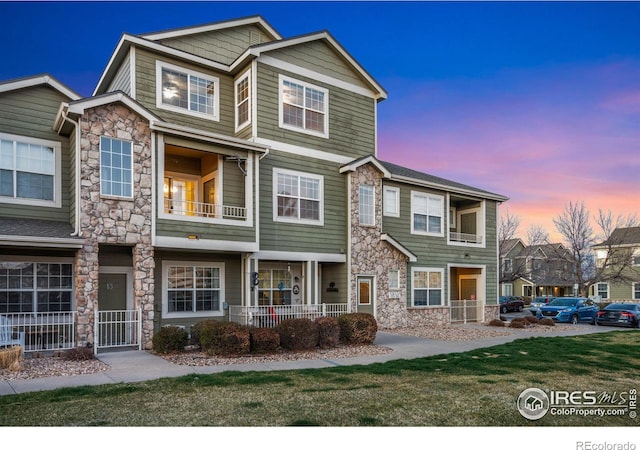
x: 135, y: 366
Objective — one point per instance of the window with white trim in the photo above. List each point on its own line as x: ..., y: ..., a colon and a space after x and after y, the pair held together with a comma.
x: 427, y: 287
x: 391, y: 201
x: 187, y: 91
x: 602, y: 290
x: 193, y: 289
x: 636, y: 291
x: 303, y: 107
x: 366, y: 205
x: 394, y: 279
x: 274, y: 287
x: 116, y: 167
x: 35, y: 287
x: 29, y: 171
x: 243, y: 101
x: 507, y: 289
x: 427, y: 211
x: 298, y: 197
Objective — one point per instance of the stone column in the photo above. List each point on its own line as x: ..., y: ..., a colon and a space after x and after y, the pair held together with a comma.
x: 86, y: 291
x: 143, y: 287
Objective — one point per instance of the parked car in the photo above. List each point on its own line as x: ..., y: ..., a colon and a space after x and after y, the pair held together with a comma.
x: 620, y: 314
x: 510, y: 303
x: 570, y: 309
x: 537, y: 302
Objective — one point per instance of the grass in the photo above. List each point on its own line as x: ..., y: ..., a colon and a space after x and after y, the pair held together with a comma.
x: 476, y: 388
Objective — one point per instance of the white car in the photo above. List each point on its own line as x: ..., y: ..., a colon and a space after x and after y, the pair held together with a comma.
x: 537, y: 302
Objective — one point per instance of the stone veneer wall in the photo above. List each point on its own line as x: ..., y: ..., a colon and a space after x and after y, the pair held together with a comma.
x: 114, y: 220
x: 372, y: 256
x: 491, y: 312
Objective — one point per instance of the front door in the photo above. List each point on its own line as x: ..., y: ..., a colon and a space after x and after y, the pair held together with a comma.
x: 366, y: 300
x: 112, y: 303
x: 470, y: 304
x: 468, y: 289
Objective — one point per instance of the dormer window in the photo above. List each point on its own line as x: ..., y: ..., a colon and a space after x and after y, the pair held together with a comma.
x: 187, y: 91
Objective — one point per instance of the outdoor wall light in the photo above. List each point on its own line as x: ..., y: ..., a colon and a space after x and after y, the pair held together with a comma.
x: 192, y: 237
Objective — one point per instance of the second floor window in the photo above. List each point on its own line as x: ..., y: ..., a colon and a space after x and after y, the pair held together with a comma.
x: 298, y: 197
x: 427, y: 211
x: 187, y: 91
x: 243, y: 105
x: 28, y: 170
x: 303, y: 107
x: 367, y: 205
x: 116, y: 167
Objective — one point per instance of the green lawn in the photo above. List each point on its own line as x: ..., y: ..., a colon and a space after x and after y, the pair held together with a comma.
x: 477, y: 388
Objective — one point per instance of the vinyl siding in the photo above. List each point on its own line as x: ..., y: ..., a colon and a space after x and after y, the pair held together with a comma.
x: 280, y: 236
x: 223, y: 46
x: 31, y: 112
x: 122, y: 79
x: 434, y: 252
x: 351, y: 117
x: 146, y: 94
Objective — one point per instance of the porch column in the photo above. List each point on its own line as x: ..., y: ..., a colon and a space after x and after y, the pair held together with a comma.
x: 86, y: 291
x: 143, y: 287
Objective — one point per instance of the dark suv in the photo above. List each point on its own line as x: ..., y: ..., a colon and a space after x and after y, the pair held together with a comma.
x: 511, y: 303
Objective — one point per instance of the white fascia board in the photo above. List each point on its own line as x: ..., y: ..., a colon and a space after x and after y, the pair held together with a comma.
x: 36, y: 81
x: 213, y: 27
x: 401, y: 248
x: 353, y: 166
x: 127, y: 40
x: 303, y: 151
x: 300, y: 256
x: 81, y: 106
x: 205, y: 244
x: 450, y: 189
x: 34, y: 241
x: 195, y: 133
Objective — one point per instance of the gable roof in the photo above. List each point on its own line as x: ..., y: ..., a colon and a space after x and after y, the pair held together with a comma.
x: 369, y: 159
x: 37, y: 80
x: 411, y: 176
x: 622, y: 236
x: 509, y: 245
x: 214, y: 26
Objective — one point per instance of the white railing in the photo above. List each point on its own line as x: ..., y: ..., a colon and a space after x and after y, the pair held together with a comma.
x: 464, y: 311
x: 466, y: 238
x: 118, y: 329
x: 270, y: 316
x: 207, y: 210
x: 45, y: 331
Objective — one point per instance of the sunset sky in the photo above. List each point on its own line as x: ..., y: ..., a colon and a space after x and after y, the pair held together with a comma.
x: 539, y: 102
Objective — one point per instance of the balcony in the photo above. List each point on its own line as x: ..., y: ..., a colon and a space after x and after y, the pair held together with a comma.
x: 466, y: 221
x: 206, y: 210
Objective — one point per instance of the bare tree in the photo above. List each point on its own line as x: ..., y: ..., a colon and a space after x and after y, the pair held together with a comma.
x: 536, y: 235
x: 575, y: 225
x: 507, y: 230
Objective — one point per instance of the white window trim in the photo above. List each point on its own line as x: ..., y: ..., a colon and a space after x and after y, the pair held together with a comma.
x: 57, y: 176
x: 276, y: 218
x: 396, y: 277
x: 608, y: 290
x: 633, y: 291
x: 165, y: 291
x: 396, y: 192
x: 120, y: 197
x: 373, y: 205
x: 480, y: 226
x: 281, y: 80
x: 216, y: 98
x: 246, y: 76
x: 413, y: 288
x: 433, y: 196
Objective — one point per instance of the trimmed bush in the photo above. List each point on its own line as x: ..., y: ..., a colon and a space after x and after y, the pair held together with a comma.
x: 170, y: 339
x: 518, y: 323
x: 79, y: 354
x: 546, y: 322
x: 532, y: 319
x: 496, y: 323
x: 298, y: 334
x: 223, y: 338
x: 264, y: 340
x: 358, y: 328
x: 328, y: 332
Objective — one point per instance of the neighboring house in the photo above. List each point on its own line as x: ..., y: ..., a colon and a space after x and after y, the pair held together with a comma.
x: 624, y: 242
x: 536, y: 270
x: 221, y: 171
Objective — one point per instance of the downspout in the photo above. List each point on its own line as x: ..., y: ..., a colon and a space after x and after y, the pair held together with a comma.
x: 76, y: 229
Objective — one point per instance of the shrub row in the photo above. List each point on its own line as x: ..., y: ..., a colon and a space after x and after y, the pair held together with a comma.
x: 227, y: 338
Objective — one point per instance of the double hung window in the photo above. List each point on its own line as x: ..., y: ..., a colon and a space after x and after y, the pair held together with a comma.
x: 116, y: 167
x: 427, y: 214
x: 303, y: 107
x: 187, y: 91
x: 427, y: 287
x: 35, y: 287
x: 298, y: 197
x: 194, y: 289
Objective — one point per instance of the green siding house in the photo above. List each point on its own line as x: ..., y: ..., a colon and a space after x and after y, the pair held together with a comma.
x: 223, y: 171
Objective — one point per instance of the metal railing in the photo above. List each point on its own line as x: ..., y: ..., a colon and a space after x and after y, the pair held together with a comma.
x: 45, y: 331
x: 206, y: 210
x: 270, y: 316
x: 118, y: 329
x: 466, y: 238
x: 464, y: 311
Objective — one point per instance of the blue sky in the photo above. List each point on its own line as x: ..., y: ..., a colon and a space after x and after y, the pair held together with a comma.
x: 538, y: 101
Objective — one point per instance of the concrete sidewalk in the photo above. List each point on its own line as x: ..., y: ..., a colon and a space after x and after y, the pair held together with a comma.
x: 135, y: 366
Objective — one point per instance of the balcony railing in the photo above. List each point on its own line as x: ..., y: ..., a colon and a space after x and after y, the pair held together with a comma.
x: 45, y: 331
x: 465, y: 238
x: 270, y: 316
x: 206, y: 210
